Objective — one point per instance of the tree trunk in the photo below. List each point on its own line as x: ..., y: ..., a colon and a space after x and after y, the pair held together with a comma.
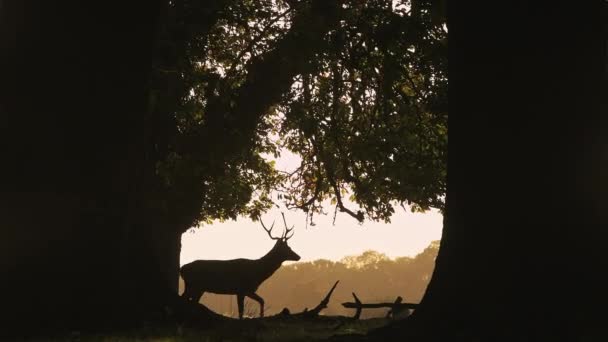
x: 525, y: 223
x: 167, y: 245
x: 73, y: 97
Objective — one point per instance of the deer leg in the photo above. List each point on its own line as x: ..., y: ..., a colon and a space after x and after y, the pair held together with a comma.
x: 240, y: 299
x: 258, y: 299
x: 187, y: 293
x: 193, y: 294
x: 197, y: 296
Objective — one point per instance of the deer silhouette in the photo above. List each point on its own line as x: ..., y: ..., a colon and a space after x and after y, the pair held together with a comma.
x: 240, y: 277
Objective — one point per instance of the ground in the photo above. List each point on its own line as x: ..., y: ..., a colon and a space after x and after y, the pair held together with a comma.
x: 321, y: 328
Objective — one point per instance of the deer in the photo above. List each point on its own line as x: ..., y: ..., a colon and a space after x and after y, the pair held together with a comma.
x: 240, y: 277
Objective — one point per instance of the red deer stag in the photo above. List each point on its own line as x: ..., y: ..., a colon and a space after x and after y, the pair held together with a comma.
x: 240, y: 277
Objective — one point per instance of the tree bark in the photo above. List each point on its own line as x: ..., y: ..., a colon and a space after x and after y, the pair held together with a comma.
x: 73, y: 95
x: 525, y: 206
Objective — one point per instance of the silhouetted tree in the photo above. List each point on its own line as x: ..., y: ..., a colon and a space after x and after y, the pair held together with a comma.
x: 525, y: 202
x: 128, y: 125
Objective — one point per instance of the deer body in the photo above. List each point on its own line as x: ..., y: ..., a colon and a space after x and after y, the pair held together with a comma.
x: 240, y: 277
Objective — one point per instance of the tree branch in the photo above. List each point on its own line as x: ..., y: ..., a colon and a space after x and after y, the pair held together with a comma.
x: 309, y: 313
x: 234, y: 118
x: 256, y: 40
x: 396, y: 306
x: 334, y: 185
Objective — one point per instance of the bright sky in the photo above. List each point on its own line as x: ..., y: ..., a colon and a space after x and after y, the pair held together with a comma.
x: 407, y: 234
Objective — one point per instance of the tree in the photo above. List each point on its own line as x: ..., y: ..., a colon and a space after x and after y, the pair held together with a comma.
x: 524, y: 203
x: 362, y: 115
x: 72, y: 102
x: 147, y: 129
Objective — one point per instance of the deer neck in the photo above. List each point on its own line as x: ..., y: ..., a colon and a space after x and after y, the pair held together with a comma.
x: 270, y: 263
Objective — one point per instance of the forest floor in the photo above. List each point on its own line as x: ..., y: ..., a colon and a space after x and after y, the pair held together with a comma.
x: 322, y: 328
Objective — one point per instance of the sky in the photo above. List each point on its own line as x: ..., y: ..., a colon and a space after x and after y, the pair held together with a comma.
x: 407, y: 235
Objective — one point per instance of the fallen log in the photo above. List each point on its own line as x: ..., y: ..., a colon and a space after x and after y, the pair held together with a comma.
x: 323, y: 304
x: 310, y: 313
x: 396, y: 306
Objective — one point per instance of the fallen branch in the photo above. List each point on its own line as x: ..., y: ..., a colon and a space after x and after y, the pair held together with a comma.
x: 310, y: 313
x: 396, y: 306
x: 323, y: 304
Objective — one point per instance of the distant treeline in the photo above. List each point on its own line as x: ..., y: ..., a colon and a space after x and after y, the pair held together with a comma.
x: 372, y: 276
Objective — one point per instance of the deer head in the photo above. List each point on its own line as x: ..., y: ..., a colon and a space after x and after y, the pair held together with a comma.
x: 281, y: 250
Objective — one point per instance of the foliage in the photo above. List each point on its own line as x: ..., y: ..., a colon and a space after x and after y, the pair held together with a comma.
x: 357, y: 89
x: 371, y: 117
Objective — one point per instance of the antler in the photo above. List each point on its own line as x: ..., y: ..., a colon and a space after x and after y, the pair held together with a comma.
x: 270, y: 230
x: 287, y: 230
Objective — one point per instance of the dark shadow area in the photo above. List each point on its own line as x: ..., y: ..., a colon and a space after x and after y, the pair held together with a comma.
x: 122, y: 126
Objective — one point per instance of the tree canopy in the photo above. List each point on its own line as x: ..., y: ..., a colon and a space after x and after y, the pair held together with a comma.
x: 356, y: 89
